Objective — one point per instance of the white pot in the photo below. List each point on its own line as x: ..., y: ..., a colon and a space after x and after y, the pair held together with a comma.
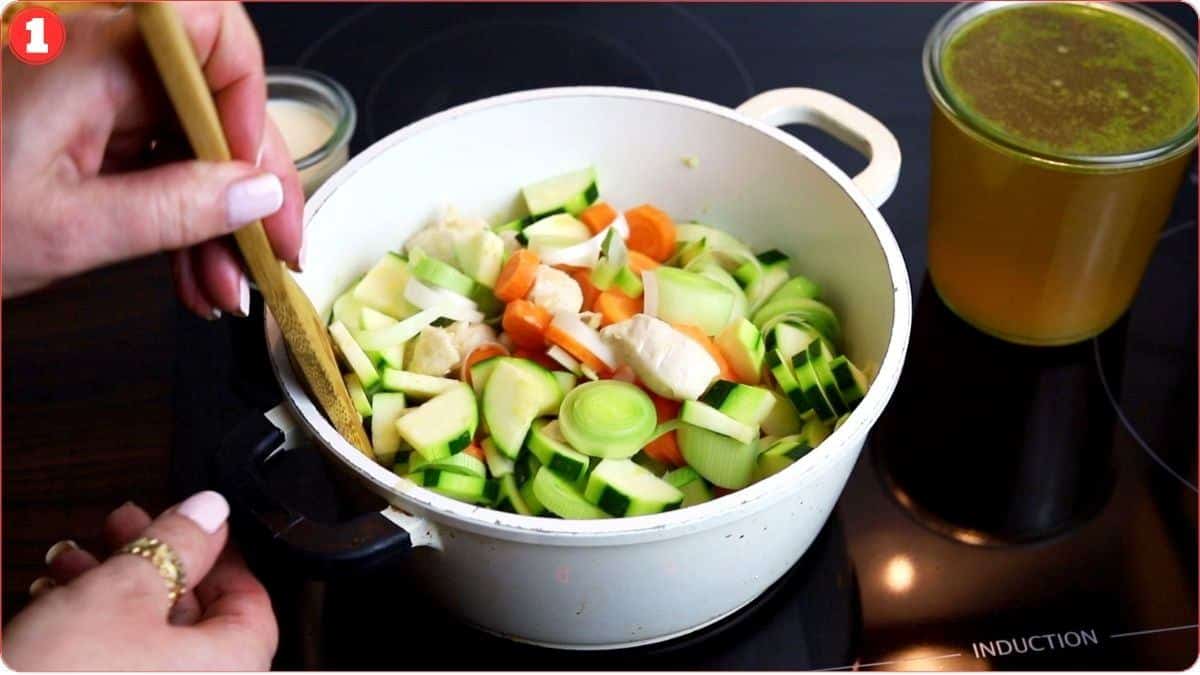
x: 623, y: 582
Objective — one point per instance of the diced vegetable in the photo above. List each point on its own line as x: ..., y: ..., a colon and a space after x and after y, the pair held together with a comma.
x: 383, y: 287
x: 744, y: 403
x: 547, y: 443
x: 677, y: 296
x: 816, y: 313
x: 851, y: 382
x: 607, y: 419
x: 707, y: 417
x: 526, y: 324
x: 819, y: 357
x: 581, y: 341
x: 357, y: 394
x: 622, y: 488
x: 436, y: 273
x: 688, y: 481
x: 722, y: 460
x: 517, y: 391
x: 783, y: 419
x: 353, y: 356
x: 510, y: 497
x: 651, y: 231
x: 480, y: 256
x: 615, y: 307
x: 370, y: 319
x: 462, y: 462
x: 516, y: 277
x: 442, y: 425
x: 783, y: 452
x: 463, y: 487
x: 387, y: 407
x: 741, y: 344
x: 498, y: 465
x: 483, y: 352
x: 557, y: 231
x: 761, y: 280
x: 417, y: 386
x: 598, y: 216
x: 665, y: 448
x: 668, y: 362
x: 561, y: 498
x: 571, y: 192
x: 806, y: 377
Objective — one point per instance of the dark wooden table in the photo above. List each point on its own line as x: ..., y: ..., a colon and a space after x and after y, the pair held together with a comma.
x: 87, y: 410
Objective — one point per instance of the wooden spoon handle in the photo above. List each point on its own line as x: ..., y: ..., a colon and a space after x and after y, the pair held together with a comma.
x: 302, y: 329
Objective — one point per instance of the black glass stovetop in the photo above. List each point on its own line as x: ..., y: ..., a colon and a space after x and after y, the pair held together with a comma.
x: 1014, y: 509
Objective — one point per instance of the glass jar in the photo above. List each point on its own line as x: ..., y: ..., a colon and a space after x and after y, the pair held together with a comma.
x: 316, y: 116
x: 1027, y: 242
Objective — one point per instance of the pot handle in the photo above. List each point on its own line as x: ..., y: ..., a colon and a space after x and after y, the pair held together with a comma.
x: 324, y: 550
x: 845, y: 122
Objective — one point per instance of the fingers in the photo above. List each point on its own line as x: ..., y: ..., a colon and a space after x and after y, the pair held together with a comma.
x: 168, y: 207
x: 188, y: 288
x: 124, y: 525
x: 195, y: 530
x: 65, y: 561
x: 237, y: 610
x: 221, y: 278
x: 285, y: 226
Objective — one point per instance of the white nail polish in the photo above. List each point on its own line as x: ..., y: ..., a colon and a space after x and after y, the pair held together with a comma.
x: 243, y: 296
x: 60, y: 548
x: 207, y: 509
x: 303, y: 255
x: 253, y: 198
x: 214, y: 314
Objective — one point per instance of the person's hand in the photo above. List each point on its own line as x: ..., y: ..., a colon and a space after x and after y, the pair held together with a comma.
x: 83, y: 189
x: 115, y: 615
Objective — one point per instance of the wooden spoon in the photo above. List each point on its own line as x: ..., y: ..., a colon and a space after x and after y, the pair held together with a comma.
x: 302, y: 329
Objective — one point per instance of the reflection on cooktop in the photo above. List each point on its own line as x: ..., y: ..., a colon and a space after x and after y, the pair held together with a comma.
x: 451, y: 60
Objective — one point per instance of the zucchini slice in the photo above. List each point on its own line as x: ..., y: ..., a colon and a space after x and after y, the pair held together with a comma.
x: 443, y: 425
x: 622, y: 488
x: 570, y: 192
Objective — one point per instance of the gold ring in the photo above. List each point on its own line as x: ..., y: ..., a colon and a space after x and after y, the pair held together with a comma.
x: 164, y: 558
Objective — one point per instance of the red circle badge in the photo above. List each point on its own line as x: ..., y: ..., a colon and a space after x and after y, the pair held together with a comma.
x: 36, y: 35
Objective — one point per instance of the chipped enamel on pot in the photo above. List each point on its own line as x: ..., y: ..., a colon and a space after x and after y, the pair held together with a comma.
x: 622, y: 582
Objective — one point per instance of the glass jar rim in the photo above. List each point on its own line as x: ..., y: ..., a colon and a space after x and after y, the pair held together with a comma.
x: 960, y: 15
x: 327, y: 91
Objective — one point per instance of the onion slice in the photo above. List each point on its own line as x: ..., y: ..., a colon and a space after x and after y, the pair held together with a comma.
x: 583, y: 254
x: 446, y: 303
x: 564, y: 359
x: 396, y: 333
x: 589, y: 339
x: 620, y: 225
x: 650, y: 293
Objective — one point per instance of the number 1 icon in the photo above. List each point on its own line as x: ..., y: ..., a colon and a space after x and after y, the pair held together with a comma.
x: 37, y: 36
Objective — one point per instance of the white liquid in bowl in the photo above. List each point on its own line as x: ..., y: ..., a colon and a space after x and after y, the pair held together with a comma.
x: 305, y: 129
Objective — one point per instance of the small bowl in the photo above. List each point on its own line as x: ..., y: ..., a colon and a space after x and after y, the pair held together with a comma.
x: 330, y: 100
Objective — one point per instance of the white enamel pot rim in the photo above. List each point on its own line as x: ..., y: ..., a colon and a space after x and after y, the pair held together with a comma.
x: 429, y: 505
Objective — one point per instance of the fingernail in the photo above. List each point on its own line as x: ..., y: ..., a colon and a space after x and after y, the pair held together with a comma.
x: 303, y: 255
x: 213, y: 314
x: 59, y: 549
x: 243, y: 297
x: 41, y: 585
x: 253, y: 198
x: 206, y: 509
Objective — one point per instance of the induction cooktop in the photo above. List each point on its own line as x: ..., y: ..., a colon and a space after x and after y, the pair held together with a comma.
x: 1014, y: 509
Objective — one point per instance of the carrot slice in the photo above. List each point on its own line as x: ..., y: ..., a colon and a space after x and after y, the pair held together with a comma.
x: 640, y: 262
x: 539, y: 358
x: 615, y: 306
x: 583, y: 277
x: 526, y: 324
x: 475, y: 451
x: 558, y: 336
x: 665, y: 448
x: 516, y: 277
x: 651, y: 231
x: 483, y: 351
x: 598, y: 216
x: 698, y: 335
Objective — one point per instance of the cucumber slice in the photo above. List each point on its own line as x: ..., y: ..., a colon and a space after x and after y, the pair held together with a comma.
x: 721, y: 460
x: 510, y: 498
x: 546, y: 442
x: 791, y: 336
x: 609, y: 419
x: 706, y: 417
x: 819, y: 357
x: 772, y: 273
x: 852, y: 384
x: 815, y: 312
x: 741, y: 344
x: 516, y: 225
x: 480, y: 256
x: 383, y: 287
x: 442, y: 425
x: 566, y: 381
x: 785, y: 451
x: 498, y: 465
x: 558, y: 231
x: 393, y: 357
x: 416, y: 385
x: 806, y: 377
x: 357, y: 394
x: 693, y: 486
x: 517, y: 392
x: 782, y: 420
x: 386, y: 408
x: 684, y: 297
x: 622, y: 488
x: 781, y: 369
x: 459, y: 463
x: 531, y: 501
x: 370, y: 319
x: 353, y: 355
x: 437, y: 273
x: 463, y: 487
x: 561, y: 498
x: 797, y: 287
x: 347, y: 309
x: 416, y: 462
x: 744, y: 403
x: 481, y: 371
x: 571, y: 192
